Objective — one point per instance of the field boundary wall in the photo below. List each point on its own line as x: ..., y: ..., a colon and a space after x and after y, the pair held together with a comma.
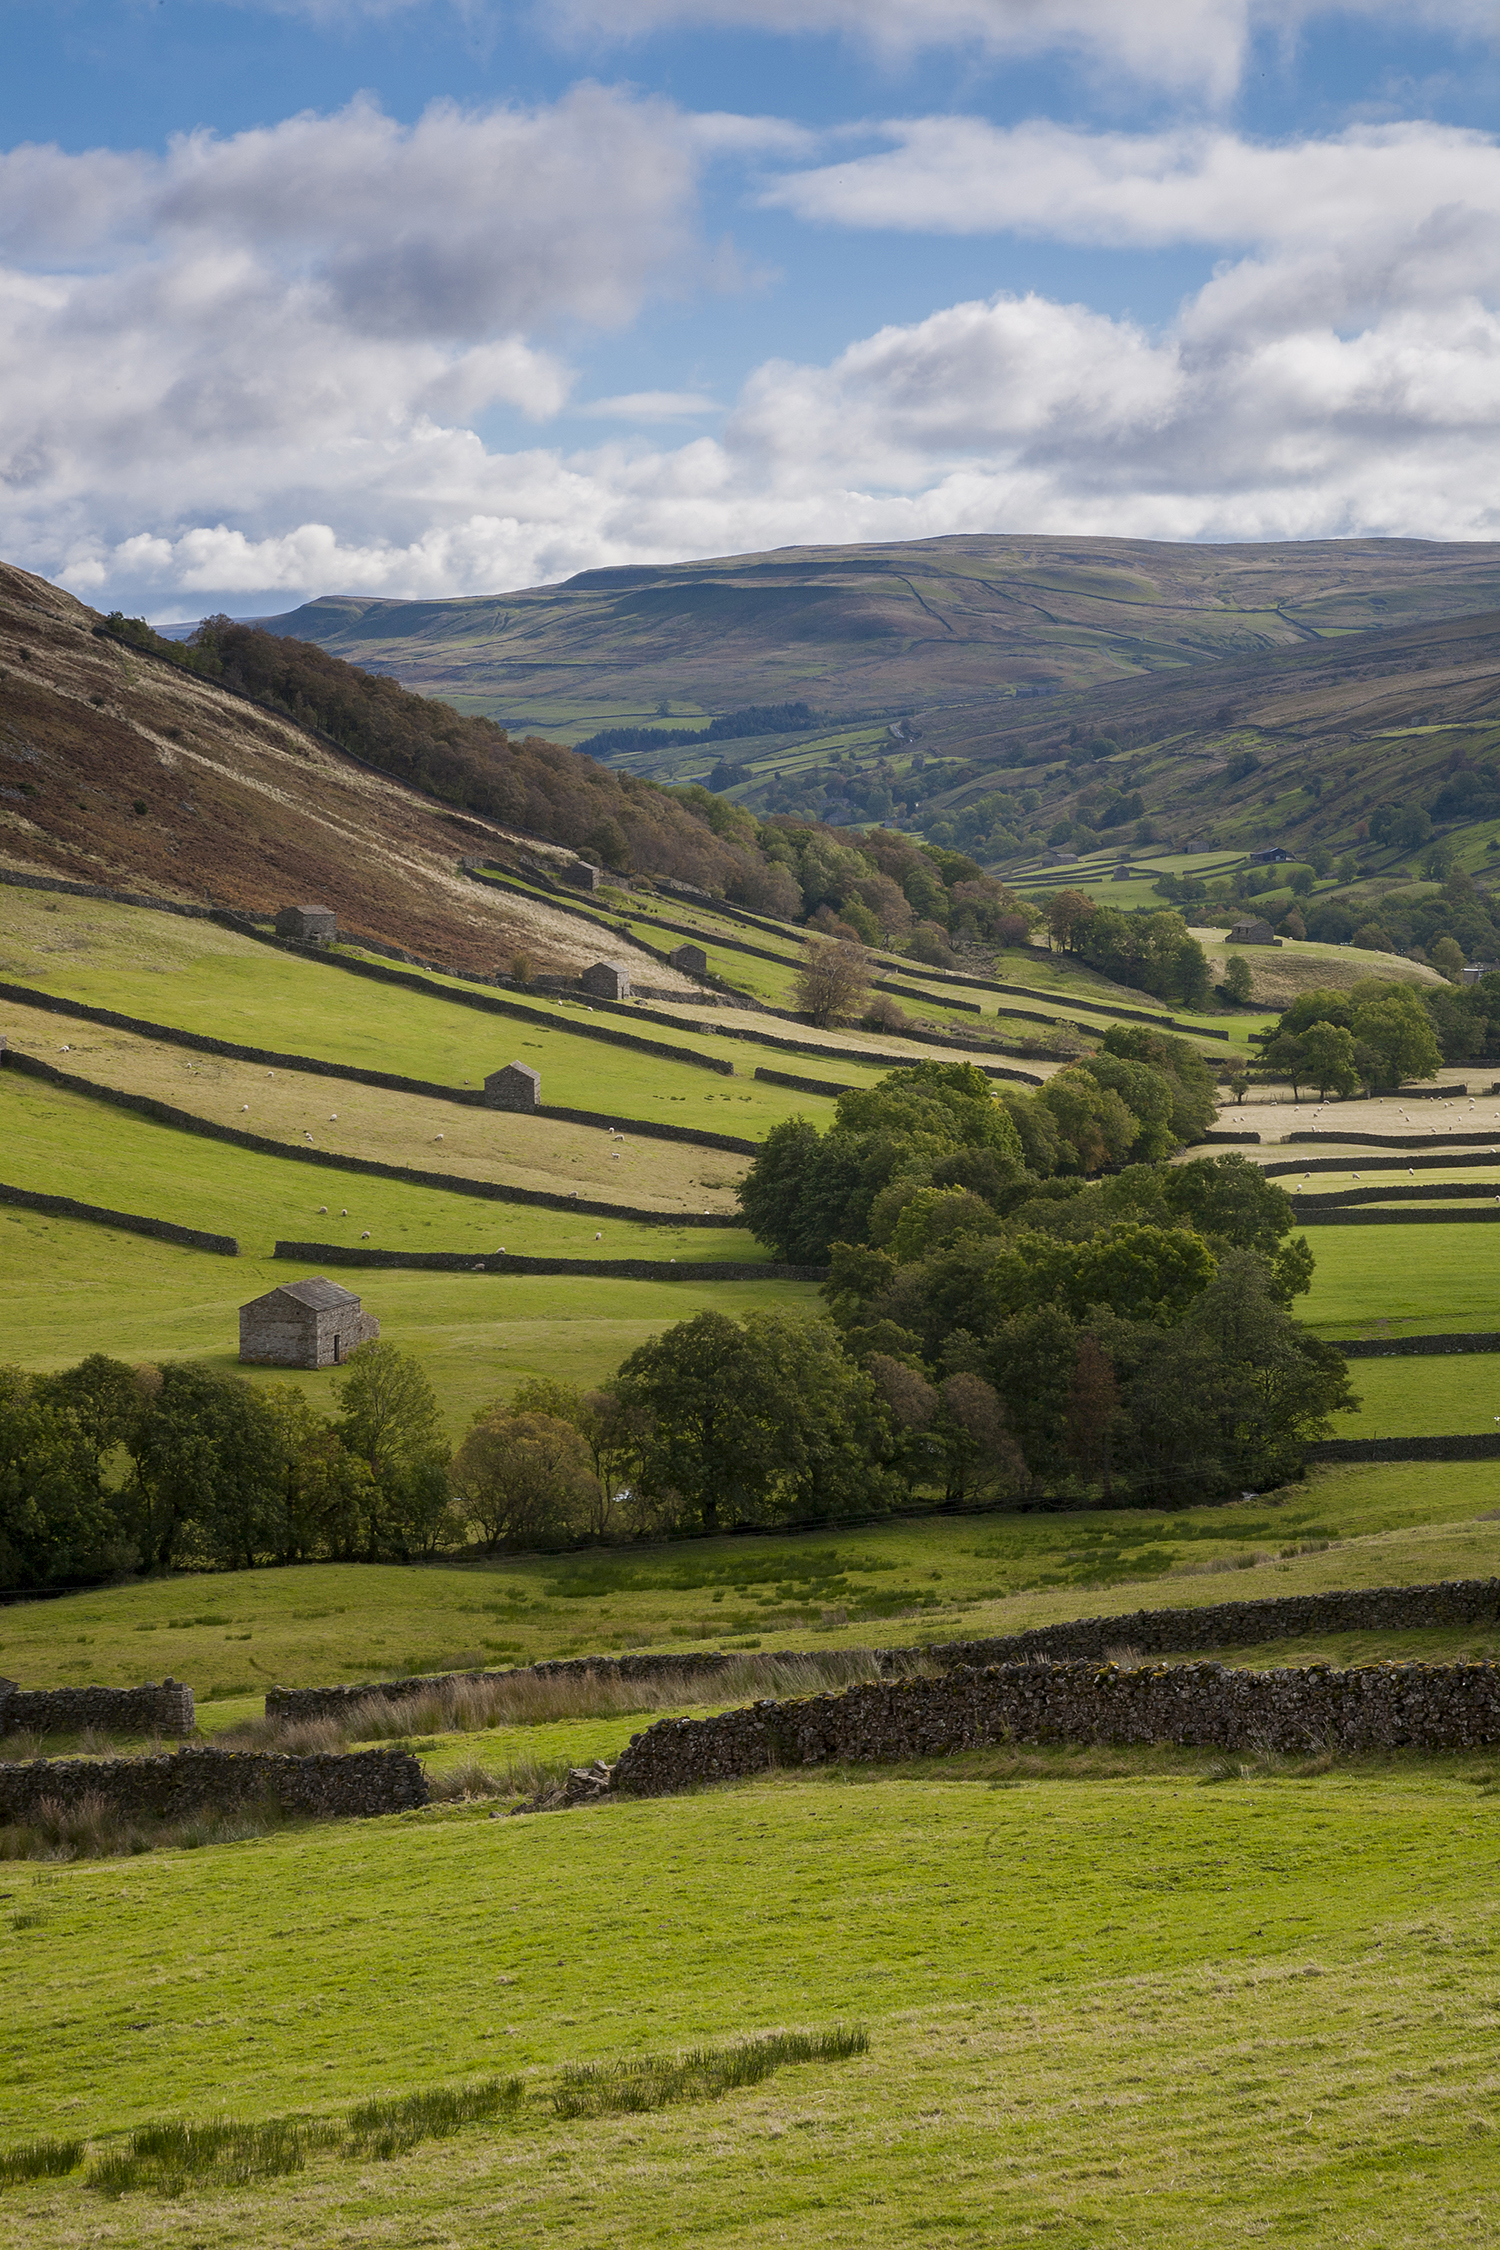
x: 505, y: 1261
x: 1323, y: 1216
x: 1424, y: 1163
x: 1457, y: 1601
x: 355, y: 1785
x: 1485, y: 1446
x: 129, y: 1222
x: 1390, y: 1140
x: 150, y: 1709
x: 1377, y: 1707
x: 1418, y: 1347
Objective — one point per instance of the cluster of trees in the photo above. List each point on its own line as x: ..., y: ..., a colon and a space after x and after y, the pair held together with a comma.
x: 1155, y: 953
x: 1030, y: 1326
x: 1367, y: 1040
x: 107, y: 1467
x: 933, y: 1150
x: 733, y: 726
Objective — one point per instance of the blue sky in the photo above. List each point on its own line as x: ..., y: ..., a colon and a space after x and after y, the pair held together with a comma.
x: 427, y: 297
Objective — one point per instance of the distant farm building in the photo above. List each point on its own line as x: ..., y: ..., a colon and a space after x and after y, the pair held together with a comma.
x: 606, y: 980
x: 1252, y: 933
x: 304, y: 1324
x: 517, y: 1086
x: 310, y: 925
x: 580, y: 876
x: 690, y: 959
x: 1275, y: 855
x: 1473, y: 971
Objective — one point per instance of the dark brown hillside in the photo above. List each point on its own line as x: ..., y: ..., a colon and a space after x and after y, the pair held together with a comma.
x: 118, y: 769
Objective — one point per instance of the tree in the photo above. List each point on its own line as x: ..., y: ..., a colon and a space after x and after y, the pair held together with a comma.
x: 389, y: 1420
x: 982, y: 1456
x: 1066, y: 913
x: 1449, y: 958
x: 1237, y: 981
x: 54, y: 1523
x: 1093, y: 1413
x: 1395, y: 1028
x: 833, y: 981
x: 1328, y: 1059
x: 1292, y: 925
x: 208, y: 1464
x: 524, y: 1480
x: 756, y: 1419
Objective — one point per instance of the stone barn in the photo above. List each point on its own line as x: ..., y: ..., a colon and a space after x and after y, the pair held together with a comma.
x: 690, y: 959
x: 517, y: 1086
x: 1252, y: 933
x: 311, y: 925
x: 580, y: 876
x: 304, y: 1324
x: 607, y: 980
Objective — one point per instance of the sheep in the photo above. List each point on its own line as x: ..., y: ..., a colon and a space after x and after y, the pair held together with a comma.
x: 322, y: 1210
x: 244, y: 1109
x: 365, y: 1236
x: 600, y: 1238
x: 334, y: 1118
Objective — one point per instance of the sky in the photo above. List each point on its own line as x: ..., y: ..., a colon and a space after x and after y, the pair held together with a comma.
x: 420, y: 298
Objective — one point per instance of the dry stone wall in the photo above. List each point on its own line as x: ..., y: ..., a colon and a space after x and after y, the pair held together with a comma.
x: 1377, y: 1707
x: 150, y: 1709
x: 354, y: 1786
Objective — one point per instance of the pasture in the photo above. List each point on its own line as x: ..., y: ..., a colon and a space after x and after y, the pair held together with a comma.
x: 902, y: 1582
x: 74, y: 1287
x: 1405, y: 1280
x: 1105, y: 2003
x: 66, y: 1144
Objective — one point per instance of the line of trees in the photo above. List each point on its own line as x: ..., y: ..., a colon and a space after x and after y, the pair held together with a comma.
x: 1368, y: 1040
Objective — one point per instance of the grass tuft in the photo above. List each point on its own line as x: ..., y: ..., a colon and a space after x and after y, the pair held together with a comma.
x: 702, y: 2074
x: 388, y: 2128
x: 43, y: 2159
x: 171, y: 2157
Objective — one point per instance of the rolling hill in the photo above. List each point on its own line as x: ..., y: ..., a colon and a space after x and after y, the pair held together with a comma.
x: 955, y: 624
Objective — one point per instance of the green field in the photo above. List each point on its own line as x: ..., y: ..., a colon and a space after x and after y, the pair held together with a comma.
x: 1414, y: 1280
x: 74, y: 1287
x: 1101, y: 2010
x: 903, y: 1582
x: 66, y: 1144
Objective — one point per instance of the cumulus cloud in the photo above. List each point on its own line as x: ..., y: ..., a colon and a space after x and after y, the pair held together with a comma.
x: 254, y: 368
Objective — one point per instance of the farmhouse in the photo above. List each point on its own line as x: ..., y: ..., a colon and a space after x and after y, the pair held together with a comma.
x: 304, y: 1324
x: 606, y: 980
x: 312, y: 925
x: 517, y: 1086
x: 1252, y: 933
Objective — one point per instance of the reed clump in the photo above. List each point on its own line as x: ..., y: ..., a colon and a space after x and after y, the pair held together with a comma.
x: 702, y: 2074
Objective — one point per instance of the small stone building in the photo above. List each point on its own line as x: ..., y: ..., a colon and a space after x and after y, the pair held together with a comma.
x: 517, y: 1086
x: 607, y: 980
x: 1252, y: 933
x: 580, y: 876
x: 304, y: 1324
x: 1274, y: 855
x: 310, y: 925
x: 690, y: 959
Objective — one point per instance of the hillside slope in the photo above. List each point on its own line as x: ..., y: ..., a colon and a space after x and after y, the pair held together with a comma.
x: 956, y: 623
x: 119, y: 770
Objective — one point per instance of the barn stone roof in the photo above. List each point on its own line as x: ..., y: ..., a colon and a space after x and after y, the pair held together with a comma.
x: 317, y: 1295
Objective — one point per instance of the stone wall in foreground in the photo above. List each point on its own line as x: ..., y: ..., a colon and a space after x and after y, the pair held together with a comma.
x: 192, y: 1783
x: 150, y: 1709
x: 1377, y: 1707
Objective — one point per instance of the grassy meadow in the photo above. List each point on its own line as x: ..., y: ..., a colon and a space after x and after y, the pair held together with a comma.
x: 901, y: 1582
x: 1105, y: 2002
x: 1402, y: 1280
x: 74, y: 1287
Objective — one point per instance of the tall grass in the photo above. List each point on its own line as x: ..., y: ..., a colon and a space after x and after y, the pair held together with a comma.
x: 90, y: 1828
x: 388, y: 2128
x: 519, y: 1699
x: 42, y: 2159
x: 172, y: 2157
x: 703, y: 2074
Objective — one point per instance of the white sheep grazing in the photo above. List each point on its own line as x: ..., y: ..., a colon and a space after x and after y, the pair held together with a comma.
x: 598, y: 1238
x: 437, y: 1136
x: 244, y: 1109
x: 333, y: 1120
x: 322, y: 1210
x: 365, y: 1236
x: 344, y: 1213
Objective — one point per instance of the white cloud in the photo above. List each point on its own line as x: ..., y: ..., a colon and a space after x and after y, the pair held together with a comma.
x: 649, y: 406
